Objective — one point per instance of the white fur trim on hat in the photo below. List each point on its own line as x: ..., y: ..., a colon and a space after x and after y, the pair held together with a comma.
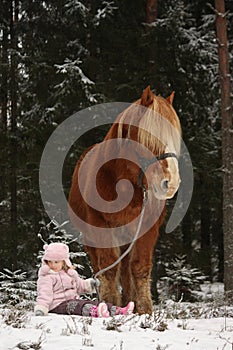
x: 57, y: 251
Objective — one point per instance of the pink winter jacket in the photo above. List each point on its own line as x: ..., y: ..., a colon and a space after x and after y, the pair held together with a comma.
x: 53, y: 288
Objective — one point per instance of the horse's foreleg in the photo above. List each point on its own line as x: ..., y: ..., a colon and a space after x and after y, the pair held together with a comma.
x: 128, y: 290
x: 109, y: 287
x: 141, y: 266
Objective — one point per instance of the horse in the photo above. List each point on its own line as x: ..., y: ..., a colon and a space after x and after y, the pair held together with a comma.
x: 135, y: 168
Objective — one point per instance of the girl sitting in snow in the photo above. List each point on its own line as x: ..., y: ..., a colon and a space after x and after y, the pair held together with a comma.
x: 59, y: 288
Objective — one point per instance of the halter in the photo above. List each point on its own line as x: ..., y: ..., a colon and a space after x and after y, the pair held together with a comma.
x: 144, y: 163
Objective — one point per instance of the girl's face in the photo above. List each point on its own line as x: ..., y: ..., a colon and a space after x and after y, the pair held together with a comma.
x: 56, y: 265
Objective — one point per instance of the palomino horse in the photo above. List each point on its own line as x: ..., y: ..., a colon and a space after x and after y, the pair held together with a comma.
x: 146, y: 140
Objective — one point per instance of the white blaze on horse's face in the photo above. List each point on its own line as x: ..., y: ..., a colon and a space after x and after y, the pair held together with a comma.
x: 173, y: 178
x: 164, y: 178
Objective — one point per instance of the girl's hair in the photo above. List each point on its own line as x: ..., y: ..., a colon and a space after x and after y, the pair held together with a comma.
x: 65, y: 267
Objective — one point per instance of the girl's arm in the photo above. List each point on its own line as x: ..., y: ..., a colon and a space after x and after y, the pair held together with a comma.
x: 83, y: 286
x: 44, y: 295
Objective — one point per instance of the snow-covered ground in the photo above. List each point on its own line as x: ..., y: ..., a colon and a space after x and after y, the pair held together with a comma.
x: 55, y: 333
x: 177, y: 326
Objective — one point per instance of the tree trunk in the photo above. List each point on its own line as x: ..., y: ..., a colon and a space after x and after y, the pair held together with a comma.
x: 14, y: 6
x: 4, y: 78
x: 151, y: 11
x: 227, y: 144
x: 4, y: 111
x: 186, y: 227
x: 205, y: 253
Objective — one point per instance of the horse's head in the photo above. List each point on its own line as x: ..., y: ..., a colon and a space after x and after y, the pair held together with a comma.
x: 163, y: 176
x: 154, y: 126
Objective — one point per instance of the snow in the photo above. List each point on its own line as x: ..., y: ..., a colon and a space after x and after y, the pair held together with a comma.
x: 203, y: 325
x: 55, y: 332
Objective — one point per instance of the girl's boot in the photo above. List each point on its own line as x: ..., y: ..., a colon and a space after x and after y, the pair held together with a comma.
x: 100, y: 310
x: 127, y: 310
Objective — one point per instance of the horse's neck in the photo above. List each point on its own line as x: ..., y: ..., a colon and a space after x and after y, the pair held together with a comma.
x: 112, y: 133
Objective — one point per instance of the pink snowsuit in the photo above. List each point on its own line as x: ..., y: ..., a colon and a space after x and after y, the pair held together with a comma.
x: 54, y: 288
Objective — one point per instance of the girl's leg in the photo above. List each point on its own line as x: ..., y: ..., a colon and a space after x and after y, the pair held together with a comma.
x: 60, y: 309
x: 87, y: 307
x: 91, y: 308
x: 74, y: 307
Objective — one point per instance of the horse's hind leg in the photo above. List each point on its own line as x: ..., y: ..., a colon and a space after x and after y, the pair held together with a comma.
x: 109, y: 287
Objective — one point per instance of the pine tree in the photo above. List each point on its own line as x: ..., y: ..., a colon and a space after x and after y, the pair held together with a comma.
x: 16, y: 289
x: 50, y: 51
x: 188, y: 56
x: 182, y: 280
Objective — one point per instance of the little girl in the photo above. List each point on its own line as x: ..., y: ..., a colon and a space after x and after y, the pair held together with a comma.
x: 59, y: 288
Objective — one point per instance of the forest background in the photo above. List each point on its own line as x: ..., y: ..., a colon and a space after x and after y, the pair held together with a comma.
x: 61, y: 56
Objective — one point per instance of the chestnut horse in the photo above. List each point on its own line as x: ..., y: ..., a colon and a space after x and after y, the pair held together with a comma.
x: 146, y: 140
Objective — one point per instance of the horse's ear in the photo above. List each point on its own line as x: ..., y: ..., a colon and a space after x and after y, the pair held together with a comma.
x: 147, y: 97
x: 171, y: 97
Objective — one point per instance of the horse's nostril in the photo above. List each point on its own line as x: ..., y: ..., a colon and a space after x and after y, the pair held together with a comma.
x: 164, y: 185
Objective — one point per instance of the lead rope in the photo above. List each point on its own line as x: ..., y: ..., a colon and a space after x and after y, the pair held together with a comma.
x: 129, y: 247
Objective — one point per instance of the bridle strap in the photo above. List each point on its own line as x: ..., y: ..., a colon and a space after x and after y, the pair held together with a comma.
x: 166, y: 155
x: 144, y: 163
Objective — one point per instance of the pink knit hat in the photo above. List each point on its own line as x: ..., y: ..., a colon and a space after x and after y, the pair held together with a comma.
x: 57, y: 251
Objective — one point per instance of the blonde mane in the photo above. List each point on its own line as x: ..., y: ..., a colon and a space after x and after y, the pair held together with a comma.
x: 158, y: 126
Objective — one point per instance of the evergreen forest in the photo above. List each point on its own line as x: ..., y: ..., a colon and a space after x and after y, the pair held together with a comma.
x: 61, y: 56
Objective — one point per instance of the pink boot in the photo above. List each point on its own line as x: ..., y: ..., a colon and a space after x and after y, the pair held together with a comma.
x: 99, y: 311
x: 127, y: 310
